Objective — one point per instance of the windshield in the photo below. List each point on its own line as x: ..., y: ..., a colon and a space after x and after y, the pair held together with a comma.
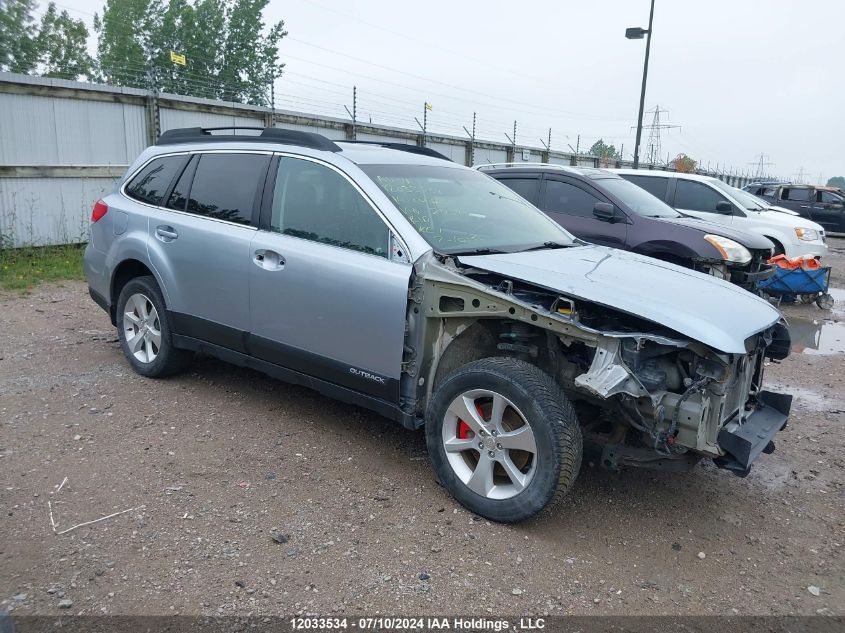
x: 464, y: 211
x: 749, y: 201
x: 637, y: 199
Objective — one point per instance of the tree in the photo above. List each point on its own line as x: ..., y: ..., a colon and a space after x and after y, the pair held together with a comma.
x: 227, y: 54
x: 124, y: 34
x: 18, y: 53
x: 61, y: 45
x: 600, y: 148
x: 837, y: 181
x: 249, y: 58
x: 683, y: 164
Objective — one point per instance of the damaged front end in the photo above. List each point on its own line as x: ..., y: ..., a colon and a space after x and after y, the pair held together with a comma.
x: 646, y: 395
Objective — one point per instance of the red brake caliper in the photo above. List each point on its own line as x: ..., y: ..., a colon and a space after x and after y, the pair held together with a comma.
x: 464, y: 432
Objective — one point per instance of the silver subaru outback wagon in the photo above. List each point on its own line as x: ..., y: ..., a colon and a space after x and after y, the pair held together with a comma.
x: 386, y: 276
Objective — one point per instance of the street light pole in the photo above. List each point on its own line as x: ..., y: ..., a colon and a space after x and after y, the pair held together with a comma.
x: 637, y: 33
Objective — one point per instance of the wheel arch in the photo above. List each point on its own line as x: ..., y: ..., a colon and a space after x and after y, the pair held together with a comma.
x: 780, y: 248
x: 127, y: 270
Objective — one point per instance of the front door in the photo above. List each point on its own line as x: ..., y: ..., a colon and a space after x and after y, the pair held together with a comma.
x: 700, y: 200
x: 829, y: 211
x: 327, y: 299
x: 571, y: 203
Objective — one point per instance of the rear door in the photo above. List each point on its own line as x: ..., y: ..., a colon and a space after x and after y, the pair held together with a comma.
x: 570, y: 203
x: 200, y: 244
x: 328, y: 281
x: 829, y: 211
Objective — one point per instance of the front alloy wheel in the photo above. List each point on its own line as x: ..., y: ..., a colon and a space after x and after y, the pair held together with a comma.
x: 503, y: 438
x: 489, y: 444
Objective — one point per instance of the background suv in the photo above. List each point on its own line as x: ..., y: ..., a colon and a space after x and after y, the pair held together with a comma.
x: 713, y: 200
x: 600, y: 207
x: 399, y: 281
x: 824, y: 205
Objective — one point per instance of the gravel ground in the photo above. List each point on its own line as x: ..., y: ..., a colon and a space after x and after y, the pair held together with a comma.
x: 249, y: 496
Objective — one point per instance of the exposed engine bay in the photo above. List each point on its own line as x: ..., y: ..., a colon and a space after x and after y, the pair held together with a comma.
x: 645, y: 394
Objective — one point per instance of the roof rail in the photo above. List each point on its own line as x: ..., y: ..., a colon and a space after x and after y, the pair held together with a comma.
x: 404, y: 147
x: 268, y: 135
x: 520, y: 164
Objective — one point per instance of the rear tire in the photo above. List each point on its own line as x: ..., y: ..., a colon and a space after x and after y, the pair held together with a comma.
x: 143, y: 328
x: 521, y: 448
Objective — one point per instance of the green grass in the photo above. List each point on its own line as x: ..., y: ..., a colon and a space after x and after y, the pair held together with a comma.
x: 21, y: 269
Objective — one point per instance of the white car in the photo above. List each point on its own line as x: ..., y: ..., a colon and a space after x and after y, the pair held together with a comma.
x: 713, y: 200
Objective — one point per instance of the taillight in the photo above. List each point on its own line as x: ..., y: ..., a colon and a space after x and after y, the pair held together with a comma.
x: 99, y: 210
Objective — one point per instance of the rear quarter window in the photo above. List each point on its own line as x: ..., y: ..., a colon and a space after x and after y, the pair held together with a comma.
x: 151, y: 183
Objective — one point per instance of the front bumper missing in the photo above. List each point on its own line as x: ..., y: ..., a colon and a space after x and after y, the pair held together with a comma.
x: 744, y: 444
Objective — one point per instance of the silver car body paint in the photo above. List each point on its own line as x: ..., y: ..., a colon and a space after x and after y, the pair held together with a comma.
x: 314, y: 300
x: 702, y: 307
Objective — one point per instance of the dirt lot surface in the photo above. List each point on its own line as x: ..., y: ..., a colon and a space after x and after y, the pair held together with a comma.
x: 220, y: 460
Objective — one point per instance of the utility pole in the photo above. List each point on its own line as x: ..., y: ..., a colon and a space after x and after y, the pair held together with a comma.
x: 800, y: 176
x: 424, y: 124
x: 655, y: 149
x: 471, y: 157
x: 548, y: 146
x: 637, y: 33
x: 513, y: 143
x: 354, y: 113
x: 761, y: 163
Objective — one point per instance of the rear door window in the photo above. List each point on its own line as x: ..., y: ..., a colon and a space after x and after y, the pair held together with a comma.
x: 528, y: 188
x: 797, y: 195
x: 226, y: 186
x: 565, y: 197
x: 655, y: 185
x: 696, y: 196
x: 151, y: 183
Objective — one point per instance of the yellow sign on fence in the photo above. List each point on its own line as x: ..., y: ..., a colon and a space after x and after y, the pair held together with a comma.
x: 177, y: 59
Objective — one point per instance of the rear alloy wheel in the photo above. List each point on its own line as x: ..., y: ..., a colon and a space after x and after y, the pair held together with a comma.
x: 144, y: 330
x: 503, y: 438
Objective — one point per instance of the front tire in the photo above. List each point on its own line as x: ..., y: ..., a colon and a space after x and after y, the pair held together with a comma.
x: 503, y: 438
x: 143, y: 328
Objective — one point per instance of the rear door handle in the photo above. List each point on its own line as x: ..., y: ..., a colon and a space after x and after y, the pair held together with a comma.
x: 268, y: 260
x: 166, y: 233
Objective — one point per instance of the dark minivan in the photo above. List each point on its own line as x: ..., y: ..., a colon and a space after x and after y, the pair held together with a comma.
x: 824, y: 205
x: 600, y: 207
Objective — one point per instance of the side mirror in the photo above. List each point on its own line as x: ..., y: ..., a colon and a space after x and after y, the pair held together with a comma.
x: 605, y: 212
x: 724, y: 207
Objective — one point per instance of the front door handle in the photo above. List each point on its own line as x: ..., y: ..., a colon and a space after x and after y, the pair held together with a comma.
x: 268, y: 260
x: 166, y: 233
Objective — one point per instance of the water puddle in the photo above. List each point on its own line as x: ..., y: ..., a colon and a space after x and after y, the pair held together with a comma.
x: 822, y: 333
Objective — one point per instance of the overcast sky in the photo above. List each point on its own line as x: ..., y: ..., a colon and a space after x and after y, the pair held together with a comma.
x: 739, y: 77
